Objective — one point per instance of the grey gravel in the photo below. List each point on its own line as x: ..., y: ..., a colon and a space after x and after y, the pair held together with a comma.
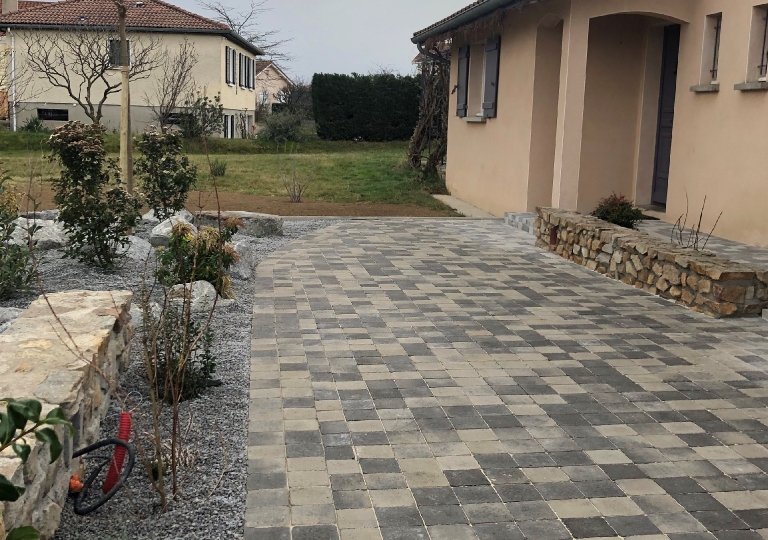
x: 212, y: 502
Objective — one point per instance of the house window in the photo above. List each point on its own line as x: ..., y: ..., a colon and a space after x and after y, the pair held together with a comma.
x: 113, y: 48
x: 710, y: 65
x: 227, y: 66
x: 479, y: 79
x: 758, y: 46
x: 57, y: 115
x: 233, y: 65
x: 229, y: 126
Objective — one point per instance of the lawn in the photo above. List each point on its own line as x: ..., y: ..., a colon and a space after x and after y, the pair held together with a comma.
x: 348, y: 178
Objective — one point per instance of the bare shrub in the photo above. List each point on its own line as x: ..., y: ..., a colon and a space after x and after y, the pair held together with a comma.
x: 692, y: 238
x: 295, y: 184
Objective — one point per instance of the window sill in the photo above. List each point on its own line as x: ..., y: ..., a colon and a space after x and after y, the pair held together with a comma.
x: 705, y: 88
x: 752, y: 86
x: 475, y: 119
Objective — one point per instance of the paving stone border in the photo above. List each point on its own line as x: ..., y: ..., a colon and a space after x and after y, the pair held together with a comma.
x: 698, y: 280
x: 38, y: 360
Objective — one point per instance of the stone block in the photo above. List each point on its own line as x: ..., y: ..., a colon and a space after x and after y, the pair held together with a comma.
x: 687, y: 296
x: 692, y: 281
x: 672, y: 274
x: 662, y: 284
x: 704, y: 286
x: 675, y: 292
x: 729, y: 293
x: 256, y: 224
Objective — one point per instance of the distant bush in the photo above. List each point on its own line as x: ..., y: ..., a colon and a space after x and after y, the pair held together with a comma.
x: 380, y: 107
x: 617, y: 209
x: 34, y: 125
x: 201, y: 116
x: 282, y: 128
x: 218, y: 168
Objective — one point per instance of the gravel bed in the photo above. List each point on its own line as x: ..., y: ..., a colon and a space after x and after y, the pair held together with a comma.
x: 212, y: 502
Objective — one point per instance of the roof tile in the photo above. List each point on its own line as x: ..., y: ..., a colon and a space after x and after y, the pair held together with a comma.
x: 141, y: 14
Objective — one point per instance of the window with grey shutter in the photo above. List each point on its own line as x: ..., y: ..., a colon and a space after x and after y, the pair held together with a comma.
x: 462, y: 85
x: 234, y: 65
x: 228, y: 67
x: 491, y: 90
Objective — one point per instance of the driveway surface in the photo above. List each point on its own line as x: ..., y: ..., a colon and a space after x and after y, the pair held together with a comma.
x: 446, y: 380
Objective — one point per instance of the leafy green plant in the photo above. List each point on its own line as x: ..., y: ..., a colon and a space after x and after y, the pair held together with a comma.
x: 218, y: 168
x: 201, y: 116
x: 16, y: 271
x: 34, y: 125
x: 205, y: 257
x: 282, y: 128
x: 184, y: 363
x: 94, y: 208
x: 617, y: 209
x: 165, y: 174
x: 14, y: 432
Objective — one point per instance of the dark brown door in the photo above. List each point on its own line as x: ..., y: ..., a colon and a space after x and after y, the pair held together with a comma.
x: 666, y: 114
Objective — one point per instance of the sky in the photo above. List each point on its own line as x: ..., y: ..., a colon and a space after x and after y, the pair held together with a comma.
x: 345, y: 36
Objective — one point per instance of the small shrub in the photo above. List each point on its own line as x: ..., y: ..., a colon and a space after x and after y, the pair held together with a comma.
x: 166, y: 175
x: 282, y: 128
x: 94, y: 208
x: 296, y: 184
x: 218, y: 168
x: 617, y: 209
x: 201, y: 116
x: 184, y: 363
x: 16, y: 272
x: 34, y: 125
x: 205, y: 257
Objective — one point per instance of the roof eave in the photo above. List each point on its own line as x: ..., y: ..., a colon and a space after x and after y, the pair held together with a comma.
x: 466, y: 17
x: 236, y: 38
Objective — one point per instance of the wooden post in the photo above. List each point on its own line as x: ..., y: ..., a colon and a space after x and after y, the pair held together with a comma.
x: 126, y: 142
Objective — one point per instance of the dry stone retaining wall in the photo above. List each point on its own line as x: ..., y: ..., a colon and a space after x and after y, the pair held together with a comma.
x: 39, y: 360
x: 698, y: 280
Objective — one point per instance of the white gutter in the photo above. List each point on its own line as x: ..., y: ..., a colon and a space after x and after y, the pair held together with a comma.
x: 13, y: 79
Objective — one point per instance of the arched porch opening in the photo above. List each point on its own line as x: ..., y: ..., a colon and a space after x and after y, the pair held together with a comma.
x: 629, y: 103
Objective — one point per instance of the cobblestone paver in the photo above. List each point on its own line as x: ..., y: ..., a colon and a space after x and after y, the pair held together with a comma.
x: 446, y: 380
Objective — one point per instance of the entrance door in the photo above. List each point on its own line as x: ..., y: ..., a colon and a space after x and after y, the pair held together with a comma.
x: 666, y: 114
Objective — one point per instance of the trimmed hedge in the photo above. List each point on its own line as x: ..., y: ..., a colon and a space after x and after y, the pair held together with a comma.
x: 368, y: 107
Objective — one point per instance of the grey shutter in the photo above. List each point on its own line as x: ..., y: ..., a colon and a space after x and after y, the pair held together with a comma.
x: 227, y: 68
x: 114, y: 53
x: 491, y: 90
x: 463, y: 82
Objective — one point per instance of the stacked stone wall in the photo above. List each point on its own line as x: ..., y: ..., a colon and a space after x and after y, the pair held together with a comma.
x: 698, y: 280
x: 71, y: 360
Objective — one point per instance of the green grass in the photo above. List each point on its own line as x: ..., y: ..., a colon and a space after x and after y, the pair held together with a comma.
x: 342, y: 172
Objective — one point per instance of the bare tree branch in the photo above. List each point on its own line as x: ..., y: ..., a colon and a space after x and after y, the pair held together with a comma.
x: 173, y: 82
x: 244, y: 22
x: 77, y: 60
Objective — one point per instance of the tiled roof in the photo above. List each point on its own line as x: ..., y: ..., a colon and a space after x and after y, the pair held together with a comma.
x: 453, y: 16
x: 261, y: 65
x: 141, y: 14
x: 23, y: 4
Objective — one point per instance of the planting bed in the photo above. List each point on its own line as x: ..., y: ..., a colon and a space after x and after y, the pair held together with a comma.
x: 212, y: 501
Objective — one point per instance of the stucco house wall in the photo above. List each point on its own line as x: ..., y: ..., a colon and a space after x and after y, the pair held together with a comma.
x: 208, y: 73
x: 603, y: 138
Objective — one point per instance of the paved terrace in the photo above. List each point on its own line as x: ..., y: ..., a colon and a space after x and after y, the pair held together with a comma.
x: 445, y: 380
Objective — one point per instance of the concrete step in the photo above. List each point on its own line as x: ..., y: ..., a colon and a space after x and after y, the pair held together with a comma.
x: 525, y: 221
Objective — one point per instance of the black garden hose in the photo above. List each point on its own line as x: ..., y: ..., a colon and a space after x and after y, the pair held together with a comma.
x: 105, y: 460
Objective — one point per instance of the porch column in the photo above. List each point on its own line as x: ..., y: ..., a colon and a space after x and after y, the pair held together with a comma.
x: 570, y: 117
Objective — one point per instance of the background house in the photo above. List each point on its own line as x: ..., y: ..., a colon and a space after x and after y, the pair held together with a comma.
x: 226, y: 62
x: 562, y: 102
x: 270, y: 80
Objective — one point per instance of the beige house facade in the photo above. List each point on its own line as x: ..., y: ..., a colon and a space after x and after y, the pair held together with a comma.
x: 563, y: 102
x: 226, y: 64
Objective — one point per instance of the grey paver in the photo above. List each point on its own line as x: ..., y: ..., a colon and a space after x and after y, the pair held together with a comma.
x: 446, y: 379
